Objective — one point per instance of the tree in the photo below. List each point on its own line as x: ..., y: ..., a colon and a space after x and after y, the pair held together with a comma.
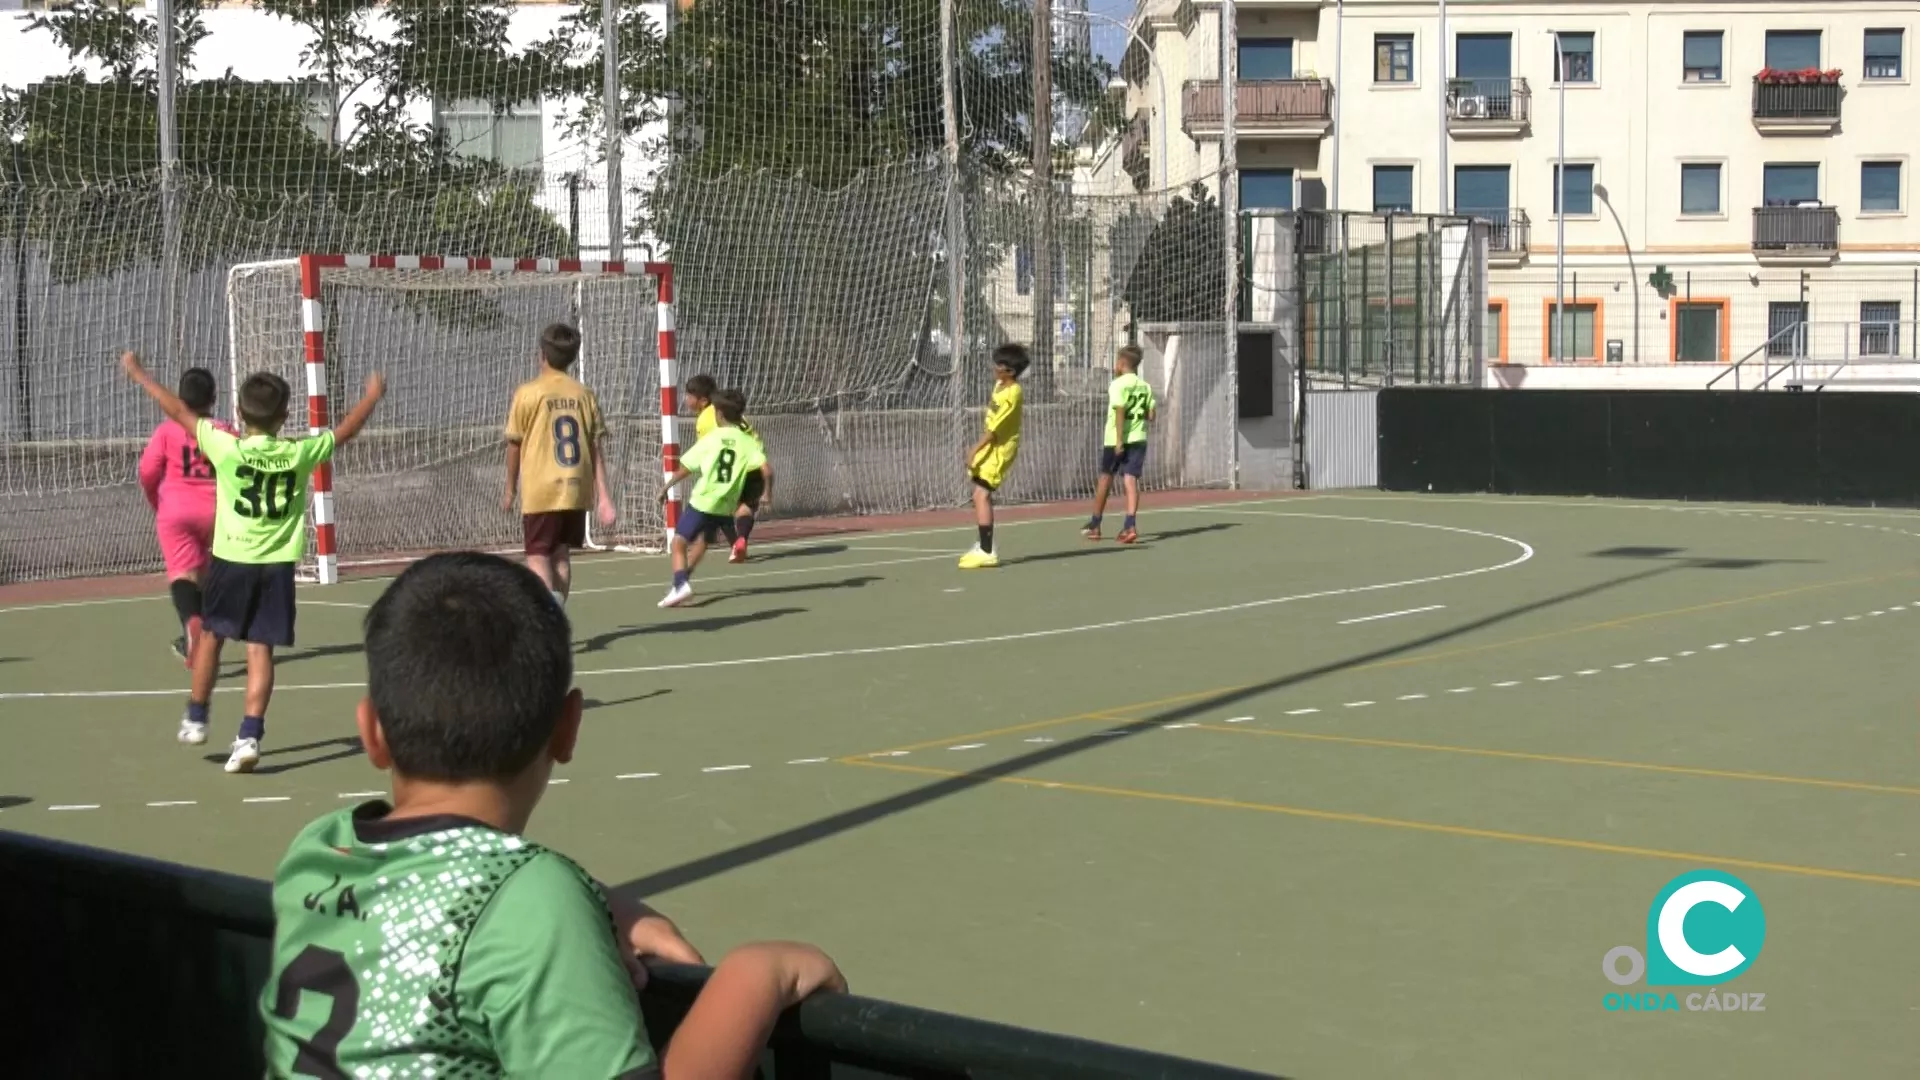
x: 1177, y: 276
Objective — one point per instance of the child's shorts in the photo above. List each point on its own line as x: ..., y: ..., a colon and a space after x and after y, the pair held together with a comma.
x: 547, y: 533
x: 695, y: 523
x: 750, y: 492
x: 990, y: 468
x: 1128, y: 460
x: 185, y: 543
x: 251, y: 602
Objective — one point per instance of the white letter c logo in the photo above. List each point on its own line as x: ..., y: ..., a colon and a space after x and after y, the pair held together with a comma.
x: 1673, y: 935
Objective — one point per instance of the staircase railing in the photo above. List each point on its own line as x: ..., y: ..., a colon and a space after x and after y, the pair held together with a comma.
x: 1794, y: 335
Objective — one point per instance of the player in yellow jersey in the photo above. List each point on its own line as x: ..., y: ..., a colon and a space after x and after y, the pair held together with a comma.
x: 758, y: 493
x: 992, y: 457
x: 555, y: 449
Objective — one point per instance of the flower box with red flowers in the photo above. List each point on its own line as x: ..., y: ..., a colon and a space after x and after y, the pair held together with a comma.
x: 1802, y: 77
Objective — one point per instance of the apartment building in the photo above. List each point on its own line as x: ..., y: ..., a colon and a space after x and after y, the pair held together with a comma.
x: 1733, y: 171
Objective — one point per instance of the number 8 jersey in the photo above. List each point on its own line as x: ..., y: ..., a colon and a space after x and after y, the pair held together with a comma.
x: 557, y: 423
x: 260, y: 515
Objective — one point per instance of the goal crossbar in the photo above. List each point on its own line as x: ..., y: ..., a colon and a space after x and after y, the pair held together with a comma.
x: 317, y: 270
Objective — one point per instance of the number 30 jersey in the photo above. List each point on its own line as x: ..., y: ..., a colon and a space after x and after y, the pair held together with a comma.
x: 557, y: 423
x: 441, y: 947
x: 261, y: 488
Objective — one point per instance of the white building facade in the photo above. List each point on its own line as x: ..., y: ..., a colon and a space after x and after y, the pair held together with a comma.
x: 1733, y: 171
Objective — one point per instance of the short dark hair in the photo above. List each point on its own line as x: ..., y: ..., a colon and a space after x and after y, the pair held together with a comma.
x: 731, y: 404
x: 197, y: 389
x: 702, y: 386
x: 1012, y: 357
x: 469, y: 662
x: 263, y: 400
x: 1130, y: 355
x: 559, y: 346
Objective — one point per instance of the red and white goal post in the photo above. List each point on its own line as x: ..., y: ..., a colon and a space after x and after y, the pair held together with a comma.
x: 426, y: 273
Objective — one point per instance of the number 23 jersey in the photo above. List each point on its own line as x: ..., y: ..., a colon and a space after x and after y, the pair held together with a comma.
x: 557, y: 423
x: 441, y: 947
x: 260, y: 513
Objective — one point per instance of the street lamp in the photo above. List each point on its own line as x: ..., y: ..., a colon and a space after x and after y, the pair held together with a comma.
x: 1159, y: 78
x: 1633, y: 275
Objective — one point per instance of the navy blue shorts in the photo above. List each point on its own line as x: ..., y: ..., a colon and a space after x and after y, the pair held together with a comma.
x: 251, y: 602
x: 694, y: 524
x: 755, y: 487
x: 1129, y: 459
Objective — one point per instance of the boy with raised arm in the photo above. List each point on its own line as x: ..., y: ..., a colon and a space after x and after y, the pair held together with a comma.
x: 1130, y: 408
x: 428, y: 936
x: 178, y: 483
x: 259, y: 537
x: 556, y: 443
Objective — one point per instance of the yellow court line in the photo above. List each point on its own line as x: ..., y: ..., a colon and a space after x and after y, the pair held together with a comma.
x: 1563, y: 759
x: 1416, y: 826
x: 1179, y: 699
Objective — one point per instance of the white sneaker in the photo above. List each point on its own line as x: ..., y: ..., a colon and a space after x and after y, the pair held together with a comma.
x: 192, y: 733
x: 677, y: 595
x: 246, y: 754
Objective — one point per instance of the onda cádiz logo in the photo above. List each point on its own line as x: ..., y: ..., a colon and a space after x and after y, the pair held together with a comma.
x: 1704, y: 930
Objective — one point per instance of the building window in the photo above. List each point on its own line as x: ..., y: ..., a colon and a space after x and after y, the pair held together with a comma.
x: 1266, y: 58
x: 1483, y: 57
x: 1577, y: 191
x: 1793, y: 50
x: 1700, y: 56
x: 1885, y: 49
x: 1393, y: 189
x: 1790, y: 185
x: 1699, y: 331
x: 1786, y: 328
x: 510, y: 138
x: 1576, y: 58
x: 1266, y: 189
x: 1393, y: 58
x: 1495, y: 332
x: 1582, y: 332
x: 1880, y: 187
x: 1879, y: 328
x: 1699, y: 188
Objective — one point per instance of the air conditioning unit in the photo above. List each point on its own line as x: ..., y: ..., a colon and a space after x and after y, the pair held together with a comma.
x: 1471, y: 108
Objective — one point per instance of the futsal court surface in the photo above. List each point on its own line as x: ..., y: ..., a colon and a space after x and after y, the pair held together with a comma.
x: 1353, y: 785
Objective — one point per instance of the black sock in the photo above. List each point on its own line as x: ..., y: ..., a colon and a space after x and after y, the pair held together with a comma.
x: 186, y: 599
x: 986, y: 538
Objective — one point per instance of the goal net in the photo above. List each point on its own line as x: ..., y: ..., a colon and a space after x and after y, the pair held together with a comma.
x: 454, y: 337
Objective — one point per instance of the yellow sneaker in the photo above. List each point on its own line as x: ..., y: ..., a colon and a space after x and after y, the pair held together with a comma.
x: 979, y: 560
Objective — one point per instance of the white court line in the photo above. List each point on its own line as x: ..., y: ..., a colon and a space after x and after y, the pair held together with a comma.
x: 173, y: 802
x: 809, y: 761
x: 267, y: 798
x: 849, y: 538
x: 635, y: 775
x: 360, y: 795
x: 719, y: 581
x: 968, y: 746
x: 1526, y: 553
x: 1290, y: 712
x: 332, y: 603
x: 76, y: 806
x: 1820, y: 516
x: 1391, y: 614
x: 725, y: 768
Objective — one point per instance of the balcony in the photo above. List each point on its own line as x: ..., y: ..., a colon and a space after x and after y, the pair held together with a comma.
x: 1796, y: 108
x: 1267, y: 108
x: 1796, y: 235
x: 1489, y: 108
x: 1509, y: 235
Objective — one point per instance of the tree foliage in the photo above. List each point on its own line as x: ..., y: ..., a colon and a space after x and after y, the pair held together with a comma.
x: 1178, y: 274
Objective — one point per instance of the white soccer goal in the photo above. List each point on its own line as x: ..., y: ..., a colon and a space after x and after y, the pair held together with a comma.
x: 454, y: 336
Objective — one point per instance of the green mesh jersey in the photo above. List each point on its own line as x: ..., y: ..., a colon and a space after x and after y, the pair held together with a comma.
x: 261, y: 513
x: 442, y: 947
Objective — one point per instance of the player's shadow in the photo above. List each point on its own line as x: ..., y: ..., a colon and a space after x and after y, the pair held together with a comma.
x: 595, y: 703
x: 340, y: 749
x: 1193, y: 707
x: 799, y: 552
x: 1679, y: 557
x: 8, y: 802
x: 1196, y: 530
x: 1071, y: 553
x: 599, y: 642
x: 859, y: 582
x: 236, y: 666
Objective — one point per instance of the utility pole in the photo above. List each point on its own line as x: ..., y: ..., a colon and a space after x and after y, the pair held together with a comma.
x: 615, y: 121
x: 956, y: 230
x: 170, y: 299
x: 1043, y: 263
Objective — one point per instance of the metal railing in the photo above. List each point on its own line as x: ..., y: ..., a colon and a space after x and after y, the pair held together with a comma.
x: 1259, y: 102
x: 1796, y: 228
x: 1814, y: 355
x: 1509, y: 232
x: 1488, y: 101
x: 1796, y: 101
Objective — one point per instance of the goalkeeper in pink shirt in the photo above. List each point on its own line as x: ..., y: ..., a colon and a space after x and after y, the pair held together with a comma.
x: 178, y: 482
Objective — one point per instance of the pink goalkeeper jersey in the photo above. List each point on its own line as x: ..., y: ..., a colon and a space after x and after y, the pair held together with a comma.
x: 176, y: 477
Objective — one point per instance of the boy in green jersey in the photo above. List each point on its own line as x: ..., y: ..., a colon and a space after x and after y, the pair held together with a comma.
x: 1130, y: 407
x: 259, y: 536
x: 429, y: 937
x: 723, y: 459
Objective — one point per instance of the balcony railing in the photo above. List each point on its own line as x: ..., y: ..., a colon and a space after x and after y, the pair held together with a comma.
x: 1796, y: 103
x: 1475, y: 103
x: 1136, y: 146
x: 1796, y: 229
x: 1305, y: 105
x: 1510, y: 233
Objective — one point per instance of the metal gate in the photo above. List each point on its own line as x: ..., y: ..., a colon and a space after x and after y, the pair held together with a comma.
x: 1342, y: 448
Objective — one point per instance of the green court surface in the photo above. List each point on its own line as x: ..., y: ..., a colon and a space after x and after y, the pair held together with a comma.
x: 1337, y: 786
